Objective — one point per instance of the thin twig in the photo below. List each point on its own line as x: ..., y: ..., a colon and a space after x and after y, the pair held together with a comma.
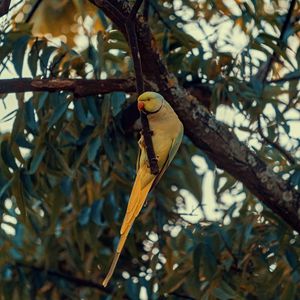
x: 235, y: 259
x: 146, y: 10
x: 133, y: 43
x: 77, y: 281
x: 156, y: 10
x: 181, y: 296
x: 275, y: 144
x: 132, y: 39
x: 284, y: 79
x: 266, y: 67
x: 135, y: 9
x: 33, y: 10
x: 263, y: 73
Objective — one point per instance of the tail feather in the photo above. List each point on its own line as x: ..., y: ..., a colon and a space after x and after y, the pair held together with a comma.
x: 136, y: 202
x: 111, y: 269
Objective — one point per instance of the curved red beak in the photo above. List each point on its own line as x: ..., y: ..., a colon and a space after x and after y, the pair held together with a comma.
x: 141, y: 105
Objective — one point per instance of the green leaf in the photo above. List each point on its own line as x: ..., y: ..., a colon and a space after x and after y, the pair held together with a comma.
x: 84, y: 216
x: 18, y: 192
x: 102, y: 17
x: 44, y: 59
x: 30, y: 118
x: 22, y: 142
x: 132, y: 289
x: 295, y: 178
x: 7, y: 155
x: 5, y: 187
x: 93, y: 107
x: 80, y: 113
x: 289, y: 291
x: 66, y: 185
x: 96, y: 211
x: 33, y: 55
x: 173, y: 282
x: 57, y: 114
x: 117, y: 100
x: 19, y: 123
x: 292, y: 258
x: 93, y: 148
x: 209, y: 259
x: 94, y: 59
x: 220, y: 293
x: 37, y: 159
x: 109, y: 149
x: 197, y: 257
x: 18, y: 53
x: 42, y: 99
x: 28, y: 184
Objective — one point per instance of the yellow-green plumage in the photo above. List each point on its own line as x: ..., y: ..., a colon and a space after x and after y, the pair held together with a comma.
x: 167, y: 135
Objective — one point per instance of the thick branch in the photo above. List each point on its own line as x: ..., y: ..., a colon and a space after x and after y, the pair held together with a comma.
x: 213, y: 137
x: 80, y: 87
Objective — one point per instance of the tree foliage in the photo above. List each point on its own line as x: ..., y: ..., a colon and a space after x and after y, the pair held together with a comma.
x: 68, y: 163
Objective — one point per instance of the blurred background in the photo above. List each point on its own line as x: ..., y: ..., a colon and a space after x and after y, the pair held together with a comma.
x: 67, y: 166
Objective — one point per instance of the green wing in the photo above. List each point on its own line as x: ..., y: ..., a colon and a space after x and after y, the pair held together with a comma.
x: 172, y: 152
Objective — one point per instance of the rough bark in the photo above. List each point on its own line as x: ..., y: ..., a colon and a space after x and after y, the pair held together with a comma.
x: 213, y: 137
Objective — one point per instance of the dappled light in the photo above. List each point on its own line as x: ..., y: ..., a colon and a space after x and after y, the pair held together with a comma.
x: 224, y: 220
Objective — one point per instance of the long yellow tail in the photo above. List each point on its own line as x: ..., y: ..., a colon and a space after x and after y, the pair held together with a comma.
x: 135, y: 204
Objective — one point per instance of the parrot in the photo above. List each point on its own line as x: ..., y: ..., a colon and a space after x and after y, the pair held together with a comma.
x: 167, y: 132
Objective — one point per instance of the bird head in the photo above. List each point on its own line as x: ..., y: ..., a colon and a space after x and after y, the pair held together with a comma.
x: 150, y: 102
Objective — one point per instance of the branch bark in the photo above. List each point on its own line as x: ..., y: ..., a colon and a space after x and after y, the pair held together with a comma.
x: 213, y: 137
x: 133, y: 43
x: 80, y: 87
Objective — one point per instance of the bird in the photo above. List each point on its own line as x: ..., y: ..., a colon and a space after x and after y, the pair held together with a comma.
x: 167, y: 132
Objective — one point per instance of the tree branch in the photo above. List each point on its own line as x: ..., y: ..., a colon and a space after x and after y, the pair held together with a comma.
x: 75, y: 280
x: 284, y: 79
x: 80, y: 87
x: 133, y: 43
x: 4, y: 7
x: 146, y: 9
x: 213, y: 137
x: 33, y: 10
x: 287, y: 155
x: 135, y: 9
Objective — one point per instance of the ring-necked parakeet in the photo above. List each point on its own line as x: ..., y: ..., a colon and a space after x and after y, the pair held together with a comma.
x: 167, y: 132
